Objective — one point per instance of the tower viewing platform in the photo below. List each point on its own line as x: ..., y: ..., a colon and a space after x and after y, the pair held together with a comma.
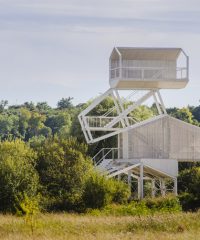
x: 148, y: 68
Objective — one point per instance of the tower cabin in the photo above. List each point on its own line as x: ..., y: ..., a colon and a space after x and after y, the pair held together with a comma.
x: 148, y: 68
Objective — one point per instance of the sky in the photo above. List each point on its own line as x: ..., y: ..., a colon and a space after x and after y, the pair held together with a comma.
x: 53, y: 49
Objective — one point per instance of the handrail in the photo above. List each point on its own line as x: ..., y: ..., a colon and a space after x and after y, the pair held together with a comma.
x: 102, y: 121
x: 101, y: 159
x: 143, y: 69
x: 151, y: 68
x: 103, y: 154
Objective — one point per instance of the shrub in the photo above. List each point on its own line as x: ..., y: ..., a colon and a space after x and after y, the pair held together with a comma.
x: 63, y: 168
x: 100, y: 191
x: 28, y: 206
x: 18, y: 176
x: 121, y: 192
x: 138, y: 208
x: 189, y: 182
x: 169, y: 203
x: 132, y: 209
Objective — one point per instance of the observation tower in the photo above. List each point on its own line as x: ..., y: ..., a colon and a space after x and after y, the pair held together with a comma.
x: 148, y: 149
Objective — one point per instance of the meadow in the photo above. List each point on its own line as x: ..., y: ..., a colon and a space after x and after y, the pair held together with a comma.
x: 162, y: 226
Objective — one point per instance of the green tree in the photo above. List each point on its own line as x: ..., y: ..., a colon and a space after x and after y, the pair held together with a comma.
x: 100, y: 191
x: 43, y: 107
x: 59, y: 122
x: 188, y: 183
x: 142, y: 113
x: 63, y: 167
x: 65, y: 103
x: 29, y: 105
x: 183, y: 114
x: 6, y: 126
x: 17, y: 174
x: 35, y: 124
x: 3, y: 104
x: 196, y: 113
x: 24, y: 117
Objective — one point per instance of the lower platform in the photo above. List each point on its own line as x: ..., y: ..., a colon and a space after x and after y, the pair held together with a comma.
x: 159, y: 174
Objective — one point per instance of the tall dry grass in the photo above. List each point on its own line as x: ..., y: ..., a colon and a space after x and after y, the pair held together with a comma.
x: 85, y: 227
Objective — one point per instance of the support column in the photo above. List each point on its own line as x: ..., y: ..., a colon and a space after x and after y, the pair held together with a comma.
x: 129, y: 178
x: 125, y: 144
x: 138, y: 184
x: 119, y: 177
x: 153, y: 188
x: 163, y: 188
x: 162, y: 103
x: 175, y: 187
x: 141, y: 182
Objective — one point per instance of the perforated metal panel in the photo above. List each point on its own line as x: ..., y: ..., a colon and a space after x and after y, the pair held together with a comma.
x: 166, y: 137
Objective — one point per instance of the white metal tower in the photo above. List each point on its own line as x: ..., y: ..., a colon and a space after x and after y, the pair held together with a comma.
x: 148, y: 149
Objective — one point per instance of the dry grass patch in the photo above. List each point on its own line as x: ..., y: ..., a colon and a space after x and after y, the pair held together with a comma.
x: 69, y: 226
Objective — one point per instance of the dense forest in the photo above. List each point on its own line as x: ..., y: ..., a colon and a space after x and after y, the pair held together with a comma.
x: 45, y: 162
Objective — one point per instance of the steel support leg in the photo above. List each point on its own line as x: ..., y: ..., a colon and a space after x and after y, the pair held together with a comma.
x: 153, y: 188
x: 175, y: 187
x: 141, y: 182
x: 119, y: 177
x: 163, y: 187
x: 129, y: 178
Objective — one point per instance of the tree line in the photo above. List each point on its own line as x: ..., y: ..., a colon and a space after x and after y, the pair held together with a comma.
x: 44, y: 159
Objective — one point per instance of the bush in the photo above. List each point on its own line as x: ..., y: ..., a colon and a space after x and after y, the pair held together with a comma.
x: 189, y: 182
x: 63, y: 167
x: 137, y: 208
x: 132, y: 209
x: 121, y: 192
x: 169, y: 203
x: 100, y: 191
x: 18, y: 176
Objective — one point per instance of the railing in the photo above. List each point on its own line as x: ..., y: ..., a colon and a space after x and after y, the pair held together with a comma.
x: 148, y: 73
x: 106, y: 153
x: 99, y: 121
x: 102, y: 121
x: 181, y: 73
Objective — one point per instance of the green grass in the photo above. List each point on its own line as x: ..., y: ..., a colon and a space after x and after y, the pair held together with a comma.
x: 161, y: 226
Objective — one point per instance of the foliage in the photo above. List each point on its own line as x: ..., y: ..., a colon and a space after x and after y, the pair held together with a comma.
x: 167, y: 204
x: 6, y: 125
x: 63, y: 164
x: 3, y: 104
x: 28, y: 206
x: 196, y: 113
x: 121, y: 192
x: 189, y: 182
x: 43, y: 106
x: 18, y: 176
x: 100, y: 191
x: 65, y: 103
x: 183, y: 114
x: 142, y: 113
x: 63, y: 167
x: 58, y: 122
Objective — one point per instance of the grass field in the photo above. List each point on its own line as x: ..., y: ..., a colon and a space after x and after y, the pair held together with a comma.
x: 70, y: 227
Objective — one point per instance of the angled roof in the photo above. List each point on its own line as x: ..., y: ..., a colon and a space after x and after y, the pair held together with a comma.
x: 147, y: 53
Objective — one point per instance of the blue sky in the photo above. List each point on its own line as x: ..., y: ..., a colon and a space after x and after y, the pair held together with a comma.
x: 52, y: 49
